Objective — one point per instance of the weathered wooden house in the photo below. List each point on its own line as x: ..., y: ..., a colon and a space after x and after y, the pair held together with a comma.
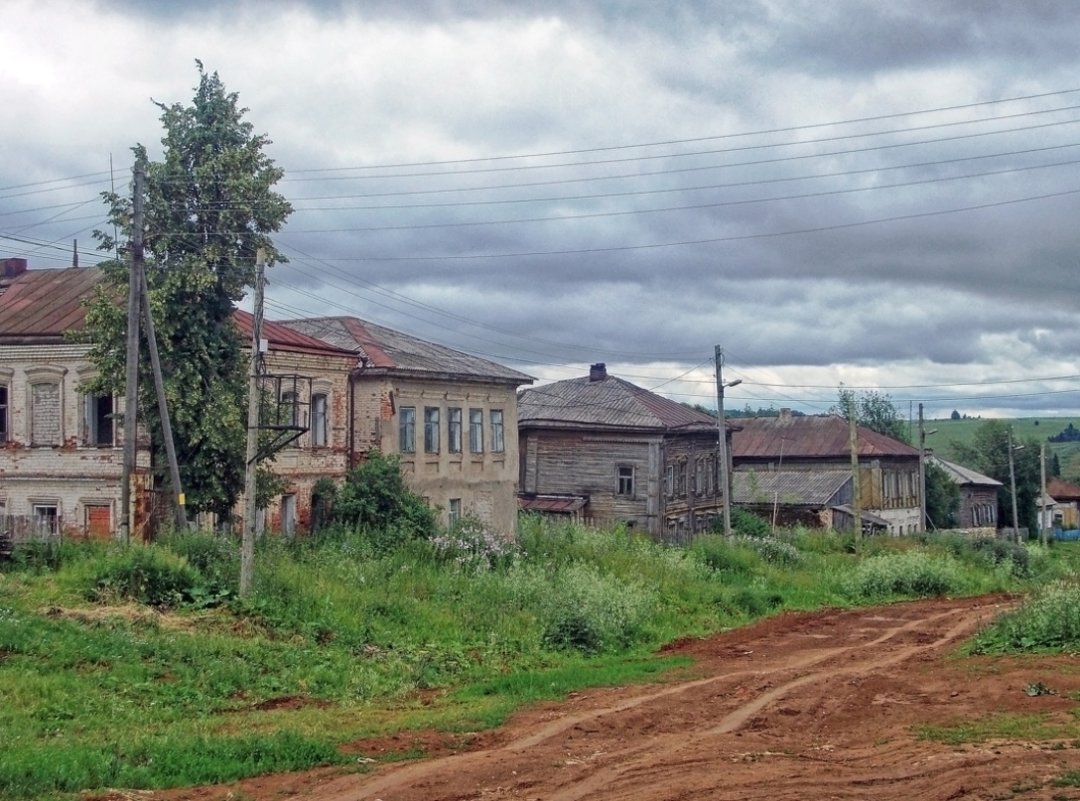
x: 450, y: 416
x: 889, y: 492
x: 810, y: 498
x: 977, y: 512
x: 1066, y: 511
x: 606, y: 451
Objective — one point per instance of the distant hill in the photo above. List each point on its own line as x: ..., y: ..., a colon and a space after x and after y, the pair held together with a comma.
x: 949, y: 432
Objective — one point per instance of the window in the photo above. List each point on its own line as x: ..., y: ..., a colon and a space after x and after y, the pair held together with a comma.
x: 5, y: 426
x: 320, y: 428
x: 46, y: 519
x: 476, y: 430
x: 497, y: 443
x: 669, y: 481
x: 97, y: 520
x: 626, y: 480
x: 431, y: 429
x: 287, y: 412
x: 407, y: 429
x: 453, y: 430
x: 98, y: 416
x: 454, y: 514
x: 45, y: 414
x: 680, y: 478
x: 699, y: 476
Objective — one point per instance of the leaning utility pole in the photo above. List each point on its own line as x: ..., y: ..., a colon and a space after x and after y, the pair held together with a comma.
x: 131, y: 384
x: 1012, y: 488
x: 247, y: 542
x: 1044, y: 530
x: 163, y: 404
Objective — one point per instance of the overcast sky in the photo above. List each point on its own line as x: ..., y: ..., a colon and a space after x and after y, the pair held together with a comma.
x: 879, y: 194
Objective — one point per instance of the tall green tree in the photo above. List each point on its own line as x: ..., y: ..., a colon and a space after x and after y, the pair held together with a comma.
x: 988, y: 452
x: 210, y: 206
x: 942, y: 498
x: 874, y: 410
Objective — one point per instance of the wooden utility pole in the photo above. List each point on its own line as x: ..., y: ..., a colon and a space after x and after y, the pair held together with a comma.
x: 721, y: 425
x: 247, y: 543
x: 1044, y: 530
x: 922, y: 471
x: 131, y: 382
x: 856, y: 488
x: 1012, y: 488
x: 163, y: 404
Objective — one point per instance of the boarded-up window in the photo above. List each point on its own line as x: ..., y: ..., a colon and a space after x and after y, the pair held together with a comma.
x: 45, y: 421
x: 5, y: 426
x: 98, y: 520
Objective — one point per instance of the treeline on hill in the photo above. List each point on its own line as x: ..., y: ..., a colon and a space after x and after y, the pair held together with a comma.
x: 357, y: 632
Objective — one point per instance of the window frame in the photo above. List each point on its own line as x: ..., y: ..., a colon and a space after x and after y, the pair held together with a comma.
x: 624, y: 480
x: 476, y: 430
x: 453, y: 429
x: 92, y: 419
x: 44, y: 376
x: 320, y: 419
x: 496, y: 420
x: 453, y: 512
x: 54, y: 519
x: 407, y: 429
x: 5, y: 412
x: 431, y: 429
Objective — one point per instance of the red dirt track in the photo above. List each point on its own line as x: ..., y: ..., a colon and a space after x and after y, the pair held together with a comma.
x: 802, y: 706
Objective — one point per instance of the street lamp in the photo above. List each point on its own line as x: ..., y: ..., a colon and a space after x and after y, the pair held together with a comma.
x: 725, y: 476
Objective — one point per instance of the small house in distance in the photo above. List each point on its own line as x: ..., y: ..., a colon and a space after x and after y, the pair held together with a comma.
x: 603, y: 450
x: 889, y: 492
x: 978, y: 508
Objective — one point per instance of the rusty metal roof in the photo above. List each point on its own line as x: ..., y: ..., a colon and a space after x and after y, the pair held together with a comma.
x: 792, y: 487
x: 809, y: 436
x: 563, y: 504
x: 1062, y: 490
x: 282, y: 338
x: 394, y: 352
x: 41, y: 306
x: 606, y: 403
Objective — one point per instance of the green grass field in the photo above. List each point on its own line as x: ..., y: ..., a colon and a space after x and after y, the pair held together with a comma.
x: 138, y: 668
x: 949, y: 432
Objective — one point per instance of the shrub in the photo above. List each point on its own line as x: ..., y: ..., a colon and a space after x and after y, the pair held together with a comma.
x: 470, y: 545
x: 589, y: 611
x: 376, y: 501
x: 216, y: 558
x: 748, y: 524
x: 1048, y: 620
x: 148, y: 574
x: 771, y: 550
x: 910, y: 573
x: 725, y: 556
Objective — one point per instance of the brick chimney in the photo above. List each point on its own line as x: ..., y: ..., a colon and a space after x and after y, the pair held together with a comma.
x: 9, y: 268
x: 598, y: 372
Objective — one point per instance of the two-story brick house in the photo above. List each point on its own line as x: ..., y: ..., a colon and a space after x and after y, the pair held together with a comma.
x: 60, y: 448
x: 450, y: 416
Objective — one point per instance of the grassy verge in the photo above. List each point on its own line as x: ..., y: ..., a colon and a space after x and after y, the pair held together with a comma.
x: 139, y: 668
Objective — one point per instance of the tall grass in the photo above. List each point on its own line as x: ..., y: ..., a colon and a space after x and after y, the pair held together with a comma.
x: 139, y: 666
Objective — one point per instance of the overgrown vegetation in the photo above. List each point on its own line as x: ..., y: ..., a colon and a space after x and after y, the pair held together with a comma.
x: 139, y: 668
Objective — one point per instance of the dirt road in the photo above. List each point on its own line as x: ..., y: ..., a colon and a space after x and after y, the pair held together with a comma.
x: 804, y: 706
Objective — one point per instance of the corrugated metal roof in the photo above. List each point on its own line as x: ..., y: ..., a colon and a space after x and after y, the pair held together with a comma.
x: 809, y: 436
x: 283, y: 338
x: 803, y: 487
x: 963, y: 475
x: 40, y: 306
x: 552, y: 503
x: 608, y: 402
x: 390, y: 350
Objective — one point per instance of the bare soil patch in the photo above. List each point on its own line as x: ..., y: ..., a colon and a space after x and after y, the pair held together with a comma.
x: 802, y: 706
